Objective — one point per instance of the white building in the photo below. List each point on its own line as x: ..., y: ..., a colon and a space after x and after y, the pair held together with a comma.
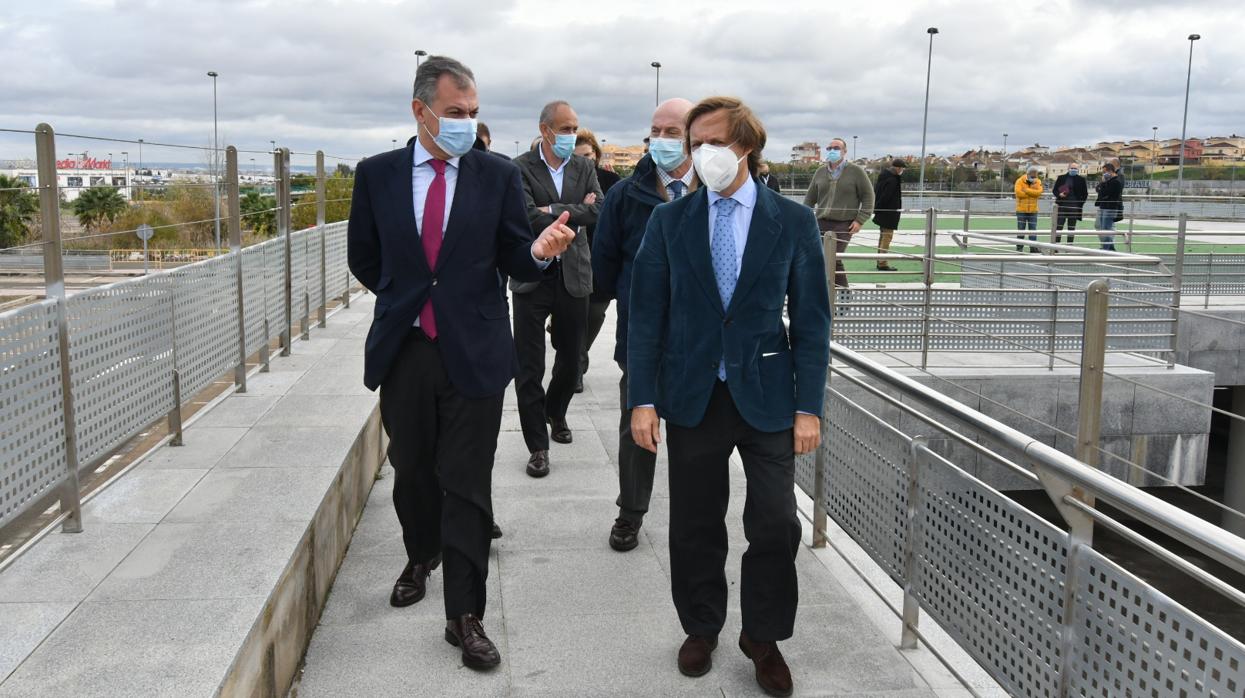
x: 76, y: 174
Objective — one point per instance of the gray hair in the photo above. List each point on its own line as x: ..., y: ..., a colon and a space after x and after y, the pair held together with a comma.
x: 430, y: 72
x: 1031, y: 168
x: 839, y: 139
x: 546, y: 114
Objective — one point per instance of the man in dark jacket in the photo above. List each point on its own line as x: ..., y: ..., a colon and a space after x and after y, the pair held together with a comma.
x: 1071, y: 191
x: 887, y: 202
x: 1110, y: 205
x: 768, y: 180
x: 665, y: 174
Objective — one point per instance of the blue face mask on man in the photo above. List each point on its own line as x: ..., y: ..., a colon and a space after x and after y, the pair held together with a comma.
x: 455, y: 136
x: 833, y: 156
x: 667, y: 153
x: 1074, y: 172
x: 563, y: 145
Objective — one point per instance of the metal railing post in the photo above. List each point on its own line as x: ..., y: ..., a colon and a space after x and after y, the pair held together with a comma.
x: 927, y: 271
x: 1054, y: 223
x: 235, y: 248
x: 830, y: 248
x: 1132, y: 217
x: 968, y: 206
x: 1054, y: 329
x: 1177, y: 285
x: 1093, y: 356
x: 54, y: 281
x: 911, y: 606
x: 321, y: 205
x: 281, y: 170
x: 175, y: 413
x: 265, y: 353
x: 1210, y: 277
x: 819, y: 489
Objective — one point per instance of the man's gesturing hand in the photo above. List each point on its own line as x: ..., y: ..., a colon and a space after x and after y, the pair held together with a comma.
x: 554, y: 240
x: 646, y: 428
x: 854, y: 227
x: 807, y: 433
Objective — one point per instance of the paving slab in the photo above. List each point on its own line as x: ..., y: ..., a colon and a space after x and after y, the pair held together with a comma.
x: 26, y: 625
x: 246, y: 494
x: 67, y: 566
x: 145, y: 495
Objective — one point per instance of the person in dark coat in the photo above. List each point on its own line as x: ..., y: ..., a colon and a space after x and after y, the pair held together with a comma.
x: 484, y: 141
x: 1071, y: 191
x: 1110, y: 205
x: 767, y: 179
x: 587, y: 146
x: 888, y: 200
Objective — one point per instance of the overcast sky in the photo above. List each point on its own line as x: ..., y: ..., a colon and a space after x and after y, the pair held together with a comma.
x: 337, y: 75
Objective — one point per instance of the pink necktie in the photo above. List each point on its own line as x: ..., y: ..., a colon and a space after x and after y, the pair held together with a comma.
x: 432, y: 232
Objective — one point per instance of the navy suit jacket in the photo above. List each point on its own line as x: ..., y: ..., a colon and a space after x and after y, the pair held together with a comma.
x: 487, y: 239
x: 679, y: 330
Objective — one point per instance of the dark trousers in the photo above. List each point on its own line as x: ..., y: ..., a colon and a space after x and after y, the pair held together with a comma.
x: 635, y: 465
x: 1066, y: 218
x: 441, y: 447
x: 596, y: 319
x: 570, y: 317
x: 699, y: 494
x: 842, y: 236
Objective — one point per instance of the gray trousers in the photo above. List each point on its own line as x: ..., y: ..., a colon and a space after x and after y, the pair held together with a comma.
x: 635, y: 465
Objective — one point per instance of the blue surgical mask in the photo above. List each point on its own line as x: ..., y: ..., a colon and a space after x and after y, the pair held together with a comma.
x: 456, y: 136
x: 833, y: 156
x: 563, y: 145
x: 1074, y: 172
x: 667, y: 153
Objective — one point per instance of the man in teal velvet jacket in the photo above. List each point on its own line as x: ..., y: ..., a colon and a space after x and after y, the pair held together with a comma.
x: 710, y: 353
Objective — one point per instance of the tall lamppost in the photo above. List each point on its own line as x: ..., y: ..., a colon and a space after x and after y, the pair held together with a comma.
x: 419, y: 55
x: 128, y: 190
x: 394, y: 143
x: 1184, y: 123
x: 516, y: 149
x: 929, y: 65
x: 657, y: 94
x: 1003, y: 169
x: 853, y: 147
x: 140, y: 168
x: 215, y: 154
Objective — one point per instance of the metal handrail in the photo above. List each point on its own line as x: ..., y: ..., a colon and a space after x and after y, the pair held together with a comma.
x: 1190, y: 530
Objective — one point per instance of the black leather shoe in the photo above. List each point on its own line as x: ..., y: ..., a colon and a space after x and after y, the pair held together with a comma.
x: 772, y: 673
x: 696, y: 655
x: 467, y: 633
x: 412, y: 584
x: 496, y: 531
x: 559, y: 431
x: 538, y: 464
x: 625, y: 535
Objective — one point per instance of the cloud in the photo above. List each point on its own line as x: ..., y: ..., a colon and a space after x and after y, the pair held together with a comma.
x: 336, y: 75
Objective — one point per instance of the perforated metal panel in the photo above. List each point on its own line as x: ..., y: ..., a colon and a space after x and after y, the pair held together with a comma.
x: 1132, y: 640
x: 120, y: 360
x: 274, y: 284
x: 298, y: 275
x: 253, y: 302
x: 991, y: 573
x: 991, y: 319
x: 867, y: 488
x: 1224, y: 272
x: 206, y: 322
x: 32, y: 420
x: 335, y: 258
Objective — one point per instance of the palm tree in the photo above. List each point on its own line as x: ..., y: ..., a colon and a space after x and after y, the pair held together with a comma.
x: 18, y: 209
x: 98, y: 205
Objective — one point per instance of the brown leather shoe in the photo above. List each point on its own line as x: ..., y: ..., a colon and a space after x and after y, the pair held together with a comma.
x: 412, y: 583
x: 696, y: 655
x: 538, y: 464
x: 773, y: 676
x: 467, y: 633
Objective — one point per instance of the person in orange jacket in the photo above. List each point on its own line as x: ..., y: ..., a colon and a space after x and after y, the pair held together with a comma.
x: 1028, y: 191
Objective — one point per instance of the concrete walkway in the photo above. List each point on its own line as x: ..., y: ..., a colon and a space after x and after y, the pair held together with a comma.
x: 573, y: 617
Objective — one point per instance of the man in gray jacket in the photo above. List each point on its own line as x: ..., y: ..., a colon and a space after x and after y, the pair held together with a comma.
x: 555, y: 181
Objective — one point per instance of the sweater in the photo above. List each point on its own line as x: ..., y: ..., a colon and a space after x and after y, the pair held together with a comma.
x: 850, y: 197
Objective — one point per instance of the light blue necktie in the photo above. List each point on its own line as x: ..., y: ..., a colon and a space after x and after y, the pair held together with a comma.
x: 676, y: 189
x: 722, y: 249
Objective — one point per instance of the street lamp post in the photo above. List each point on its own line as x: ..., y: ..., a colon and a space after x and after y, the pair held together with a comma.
x: 215, y: 154
x: 128, y: 190
x: 929, y: 65
x: 419, y: 55
x: 1185, y: 121
x: 657, y: 94
x: 140, y: 168
x: 394, y: 143
x: 853, y: 147
x: 516, y: 149
x: 1003, y: 169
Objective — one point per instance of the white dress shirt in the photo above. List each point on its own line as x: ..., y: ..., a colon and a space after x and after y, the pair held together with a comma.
x: 746, y: 197
x: 556, y: 174
x: 422, y: 175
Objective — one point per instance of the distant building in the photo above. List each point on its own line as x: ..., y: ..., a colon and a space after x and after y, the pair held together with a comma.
x: 622, y: 156
x: 73, y: 175
x: 807, y: 152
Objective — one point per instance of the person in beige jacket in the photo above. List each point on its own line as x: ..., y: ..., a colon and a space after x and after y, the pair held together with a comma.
x: 841, y: 197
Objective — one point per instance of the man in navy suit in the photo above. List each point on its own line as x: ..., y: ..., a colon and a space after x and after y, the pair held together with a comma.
x: 433, y: 230
x: 710, y: 353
